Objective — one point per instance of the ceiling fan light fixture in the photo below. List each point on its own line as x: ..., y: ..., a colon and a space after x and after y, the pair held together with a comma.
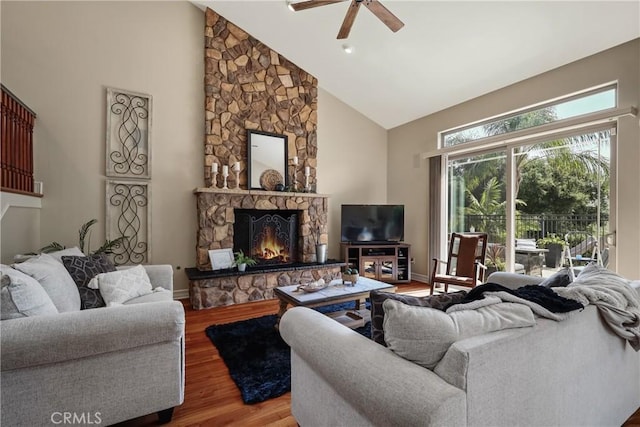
x: 348, y: 48
x: 375, y: 6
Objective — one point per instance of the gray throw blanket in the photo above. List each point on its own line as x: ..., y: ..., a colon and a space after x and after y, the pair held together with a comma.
x: 542, y: 301
x: 501, y: 296
x: 618, y: 303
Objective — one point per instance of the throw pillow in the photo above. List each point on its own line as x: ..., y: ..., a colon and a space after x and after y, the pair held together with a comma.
x: 593, y: 274
x: 120, y: 286
x: 423, y: 335
x: 560, y: 278
x: 75, y: 251
x: 82, y: 270
x: 22, y: 296
x: 377, y: 313
x: 55, y: 280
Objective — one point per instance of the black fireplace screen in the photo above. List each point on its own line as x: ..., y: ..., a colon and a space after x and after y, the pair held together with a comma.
x: 270, y: 237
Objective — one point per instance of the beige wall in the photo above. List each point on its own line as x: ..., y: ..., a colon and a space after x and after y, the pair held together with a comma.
x: 19, y: 232
x: 58, y: 57
x: 621, y: 64
x: 352, y: 161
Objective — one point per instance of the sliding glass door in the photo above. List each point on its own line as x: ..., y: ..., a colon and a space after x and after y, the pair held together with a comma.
x: 541, y: 191
x: 477, y: 201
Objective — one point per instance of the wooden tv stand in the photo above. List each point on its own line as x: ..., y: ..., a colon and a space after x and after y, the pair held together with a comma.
x: 385, y: 262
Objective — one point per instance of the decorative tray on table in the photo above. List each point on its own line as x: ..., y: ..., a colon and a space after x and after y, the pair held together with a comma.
x: 313, y: 286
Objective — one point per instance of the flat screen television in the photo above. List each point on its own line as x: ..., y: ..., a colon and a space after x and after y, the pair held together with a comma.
x: 372, y: 223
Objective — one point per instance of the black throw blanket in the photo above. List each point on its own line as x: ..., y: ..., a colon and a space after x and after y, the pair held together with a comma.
x: 540, y: 295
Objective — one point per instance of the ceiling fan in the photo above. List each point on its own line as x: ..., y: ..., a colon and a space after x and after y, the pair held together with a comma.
x: 389, y: 19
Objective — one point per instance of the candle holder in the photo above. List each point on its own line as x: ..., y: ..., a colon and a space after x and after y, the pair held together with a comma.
x: 225, y: 174
x: 294, y: 180
x: 214, y: 182
x: 237, y: 173
x: 307, y: 186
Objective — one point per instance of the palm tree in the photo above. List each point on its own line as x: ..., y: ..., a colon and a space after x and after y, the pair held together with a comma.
x: 559, y: 150
x: 487, y: 207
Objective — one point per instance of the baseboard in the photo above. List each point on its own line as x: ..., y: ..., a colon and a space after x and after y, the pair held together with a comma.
x: 419, y: 277
x: 181, y: 294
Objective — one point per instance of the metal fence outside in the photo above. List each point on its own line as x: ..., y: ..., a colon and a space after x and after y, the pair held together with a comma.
x: 536, y: 226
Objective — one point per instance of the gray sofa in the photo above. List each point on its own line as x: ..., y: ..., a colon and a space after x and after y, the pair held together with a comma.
x: 98, y: 366
x: 572, y: 372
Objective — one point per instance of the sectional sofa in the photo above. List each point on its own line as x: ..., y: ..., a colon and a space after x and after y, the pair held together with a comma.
x: 574, y: 371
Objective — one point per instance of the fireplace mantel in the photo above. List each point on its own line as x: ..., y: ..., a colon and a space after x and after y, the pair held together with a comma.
x: 258, y: 192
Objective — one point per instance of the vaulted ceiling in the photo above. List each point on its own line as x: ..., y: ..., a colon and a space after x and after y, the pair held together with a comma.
x: 447, y: 52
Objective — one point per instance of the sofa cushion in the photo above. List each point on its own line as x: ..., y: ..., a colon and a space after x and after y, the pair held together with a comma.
x: 22, y: 296
x: 423, y: 335
x: 158, y: 294
x: 55, y: 280
x: 526, y: 243
x: 83, y: 269
x: 120, y: 286
x: 560, y: 278
x: 377, y: 313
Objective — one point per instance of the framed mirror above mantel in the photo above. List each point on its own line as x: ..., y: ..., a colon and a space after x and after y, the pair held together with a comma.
x: 267, y: 160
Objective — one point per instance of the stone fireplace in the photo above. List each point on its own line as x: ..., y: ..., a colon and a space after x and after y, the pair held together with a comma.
x: 217, y: 218
x: 222, y: 214
x: 250, y: 86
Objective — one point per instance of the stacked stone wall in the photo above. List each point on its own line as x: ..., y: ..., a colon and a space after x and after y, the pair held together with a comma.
x: 231, y: 290
x: 250, y: 86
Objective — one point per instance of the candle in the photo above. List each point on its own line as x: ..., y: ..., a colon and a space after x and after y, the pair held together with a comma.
x: 295, y: 160
x: 214, y: 168
x: 236, y: 167
x: 225, y: 170
x: 307, y: 171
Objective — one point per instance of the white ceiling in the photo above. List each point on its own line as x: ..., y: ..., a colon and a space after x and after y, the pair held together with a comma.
x: 448, y: 51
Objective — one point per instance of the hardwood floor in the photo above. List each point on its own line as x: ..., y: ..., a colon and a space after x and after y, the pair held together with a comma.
x: 212, y: 398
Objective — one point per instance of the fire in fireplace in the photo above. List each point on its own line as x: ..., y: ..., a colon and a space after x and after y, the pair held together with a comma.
x: 270, y: 237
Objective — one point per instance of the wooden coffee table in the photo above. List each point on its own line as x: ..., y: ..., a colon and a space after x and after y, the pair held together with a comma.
x: 335, y: 293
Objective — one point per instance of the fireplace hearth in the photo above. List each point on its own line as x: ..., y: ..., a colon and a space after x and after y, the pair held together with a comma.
x: 270, y: 237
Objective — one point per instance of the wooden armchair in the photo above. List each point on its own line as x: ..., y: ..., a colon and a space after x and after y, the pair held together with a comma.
x: 465, y: 261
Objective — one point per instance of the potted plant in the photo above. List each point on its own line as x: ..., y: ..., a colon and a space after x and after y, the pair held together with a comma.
x: 495, y: 258
x: 242, y: 261
x: 350, y: 275
x: 555, y: 245
x: 84, y: 235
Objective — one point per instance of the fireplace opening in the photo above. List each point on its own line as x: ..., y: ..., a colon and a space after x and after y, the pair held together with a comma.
x: 268, y: 236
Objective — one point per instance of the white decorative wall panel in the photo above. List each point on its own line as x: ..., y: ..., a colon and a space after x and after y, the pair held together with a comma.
x: 128, y: 134
x: 128, y: 215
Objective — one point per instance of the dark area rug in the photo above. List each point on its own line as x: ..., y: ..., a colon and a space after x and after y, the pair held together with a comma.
x: 258, y: 359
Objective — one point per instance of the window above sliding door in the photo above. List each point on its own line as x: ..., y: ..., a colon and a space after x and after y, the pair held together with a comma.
x: 568, y: 107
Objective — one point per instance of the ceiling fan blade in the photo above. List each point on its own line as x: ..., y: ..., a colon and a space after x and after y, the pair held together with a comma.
x: 348, y: 19
x: 389, y: 19
x: 312, y: 3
